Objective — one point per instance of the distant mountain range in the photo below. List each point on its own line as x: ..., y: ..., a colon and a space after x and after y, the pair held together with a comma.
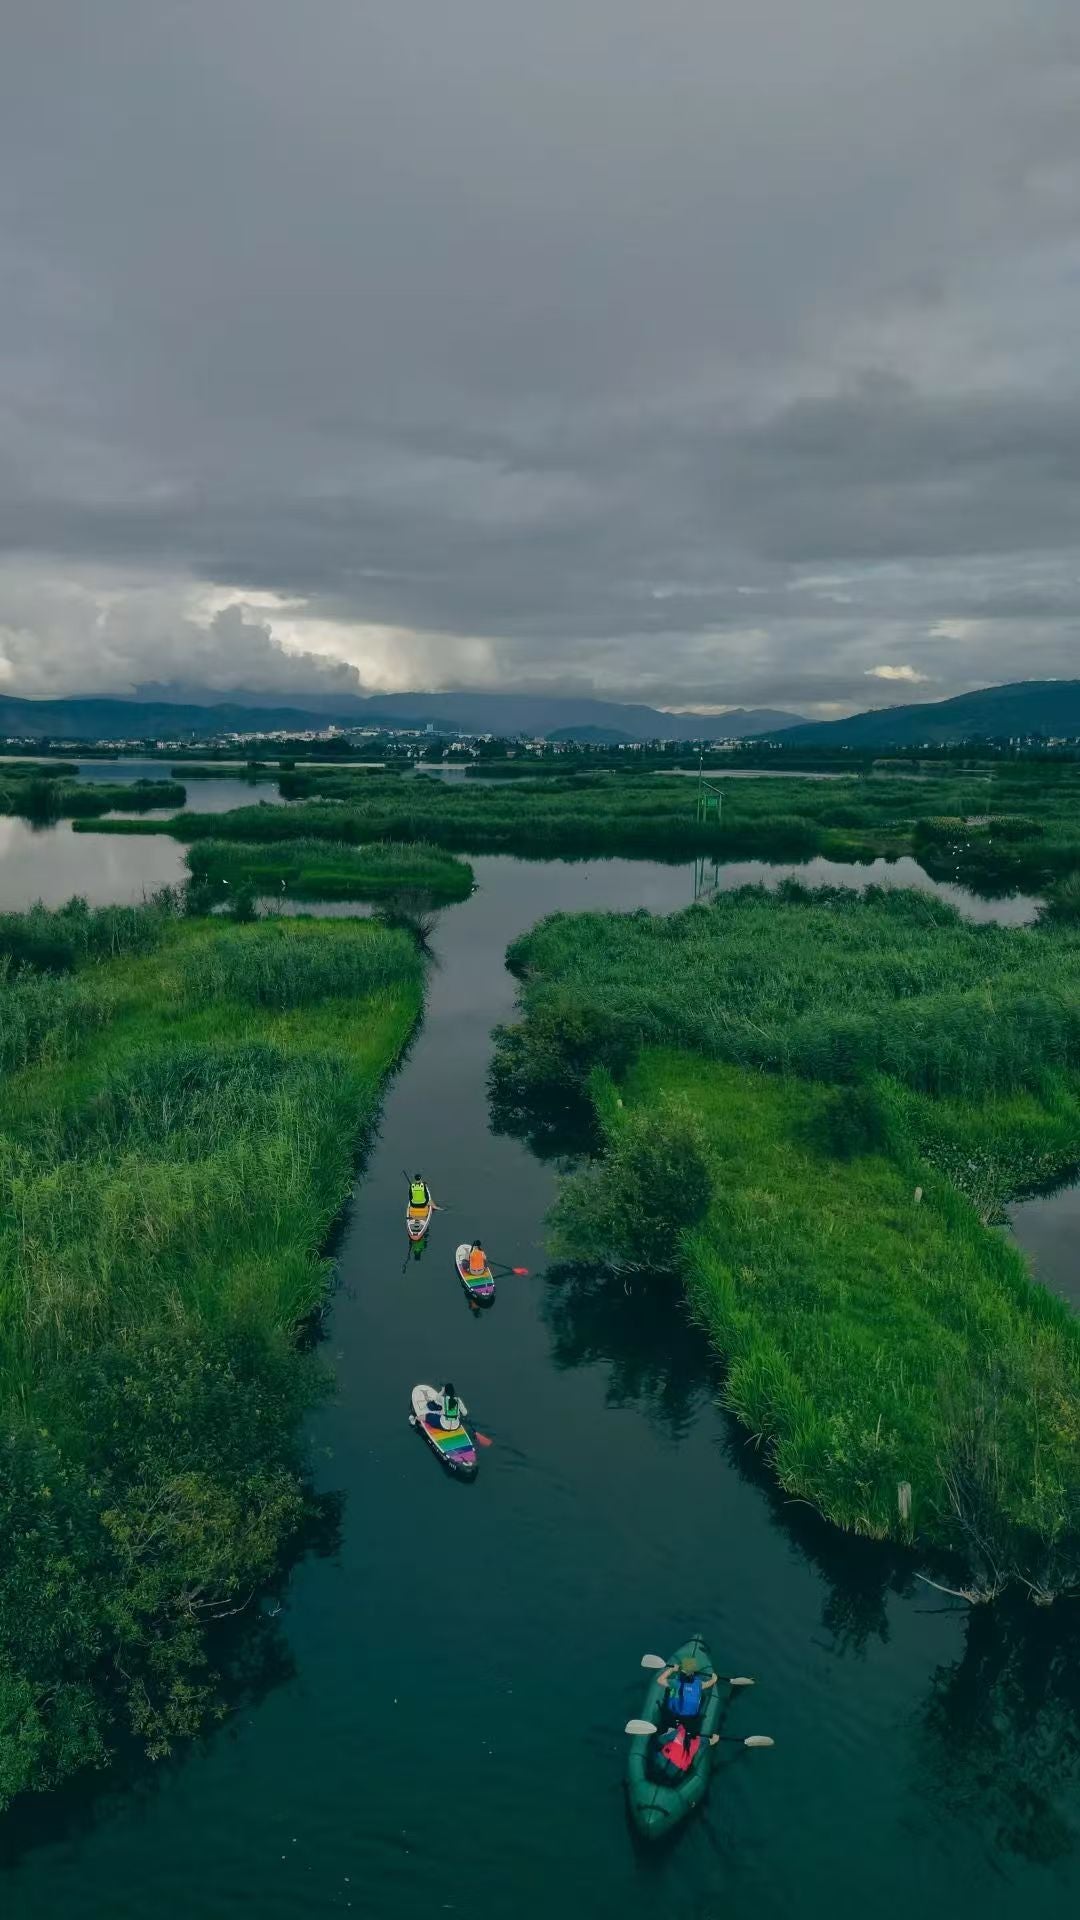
x: 157, y: 713
x: 1024, y: 708
x: 1027, y: 707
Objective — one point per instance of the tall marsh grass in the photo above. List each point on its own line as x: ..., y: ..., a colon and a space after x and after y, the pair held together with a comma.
x: 271, y: 967
x: 830, y: 984
x: 58, y: 940
x: 166, y: 1190
x: 328, y: 870
x: 867, y: 1078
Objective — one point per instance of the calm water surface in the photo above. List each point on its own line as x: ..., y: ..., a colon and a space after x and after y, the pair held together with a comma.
x: 216, y: 794
x: 1048, y: 1230
x: 435, y: 1715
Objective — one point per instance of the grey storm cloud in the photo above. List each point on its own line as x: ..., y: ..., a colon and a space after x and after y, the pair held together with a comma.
x: 719, y: 352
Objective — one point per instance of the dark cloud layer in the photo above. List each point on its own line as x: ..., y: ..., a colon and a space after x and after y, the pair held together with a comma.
x: 719, y: 352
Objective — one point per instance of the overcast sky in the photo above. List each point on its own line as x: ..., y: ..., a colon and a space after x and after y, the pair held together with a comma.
x: 709, y: 352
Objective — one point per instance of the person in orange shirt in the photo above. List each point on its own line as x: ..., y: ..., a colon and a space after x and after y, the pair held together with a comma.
x: 477, y: 1260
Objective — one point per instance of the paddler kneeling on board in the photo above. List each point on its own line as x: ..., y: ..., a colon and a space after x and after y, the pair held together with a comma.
x: 477, y: 1261
x: 674, y: 1752
x: 452, y: 1411
x: 419, y: 1197
x: 686, y: 1689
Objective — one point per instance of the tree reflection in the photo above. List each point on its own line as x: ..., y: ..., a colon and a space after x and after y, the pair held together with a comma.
x: 638, y: 1328
x: 1000, y: 1743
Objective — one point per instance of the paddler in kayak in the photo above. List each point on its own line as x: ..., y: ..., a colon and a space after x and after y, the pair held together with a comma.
x: 674, y: 1753
x: 419, y: 1197
x: 478, y: 1261
x: 686, y: 1689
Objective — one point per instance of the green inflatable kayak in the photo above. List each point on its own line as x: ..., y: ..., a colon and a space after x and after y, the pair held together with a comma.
x: 656, y: 1808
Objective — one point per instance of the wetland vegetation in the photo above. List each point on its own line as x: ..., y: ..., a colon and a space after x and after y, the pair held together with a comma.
x: 810, y: 1109
x: 44, y: 793
x: 996, y: 830
x: 182, y: 1103
x: 325, y: 870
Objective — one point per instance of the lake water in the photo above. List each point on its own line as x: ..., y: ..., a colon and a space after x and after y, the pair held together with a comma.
x: 1048, y: 1230
x: 433, y: 1721
x: 219, y: 793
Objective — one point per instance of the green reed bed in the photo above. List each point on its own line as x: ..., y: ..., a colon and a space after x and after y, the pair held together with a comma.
x: 328, y: 870
x: 250, y: 770
x: 873, y: 1340
x: 995, y: 830
x: 47, y: 797
x: 830, y: 984
x: 169, y: 1171
x: 816, y: 1104
x: 60, y: 939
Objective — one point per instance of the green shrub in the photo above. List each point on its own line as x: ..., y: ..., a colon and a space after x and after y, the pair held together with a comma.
x: 631, y: 1209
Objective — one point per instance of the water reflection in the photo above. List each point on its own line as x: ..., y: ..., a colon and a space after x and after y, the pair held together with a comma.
x: 1047, y: 1228
x: 637, y: 1327
x: 52, y: 863
x: 218, y: 793
x: 1000, y: 1732
x: 1016, y: 910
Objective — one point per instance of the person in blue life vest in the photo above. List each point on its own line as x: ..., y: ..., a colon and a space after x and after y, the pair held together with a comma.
x: 674, y: 1752
x: 685, y: 1686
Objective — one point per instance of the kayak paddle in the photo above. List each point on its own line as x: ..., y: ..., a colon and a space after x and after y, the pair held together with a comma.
x: 639, y: 1728
x: 656, y: 1665
x: 504, y: 1268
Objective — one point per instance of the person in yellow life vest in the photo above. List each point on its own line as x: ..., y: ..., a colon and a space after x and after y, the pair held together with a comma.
x: 477, y: 1260
x: 419, y: 1197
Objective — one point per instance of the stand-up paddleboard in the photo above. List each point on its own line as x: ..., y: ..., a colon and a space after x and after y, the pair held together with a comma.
x: 454, y: 1445
x: 417, y: 1224
x: 479, y: 1286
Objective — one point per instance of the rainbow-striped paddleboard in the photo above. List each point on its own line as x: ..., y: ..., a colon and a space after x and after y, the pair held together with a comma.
x: 479, y: 1286
x: 454, y: 1445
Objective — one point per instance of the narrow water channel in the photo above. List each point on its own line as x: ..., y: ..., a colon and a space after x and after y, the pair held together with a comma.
x: 435, y: 1727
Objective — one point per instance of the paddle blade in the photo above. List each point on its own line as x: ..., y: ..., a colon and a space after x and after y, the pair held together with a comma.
x: 759, y: 1740
x: 741, y: 1680
x: 639, y: 1727
x: 519, y: 1269
x: 653, y: 1662
x: 483, y: 1439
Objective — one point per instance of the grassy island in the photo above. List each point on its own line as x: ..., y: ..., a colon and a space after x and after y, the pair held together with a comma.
x: 181, y: 1106
x: 44, y: 794
x: 811, y: 1107
x: 323, y: 870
